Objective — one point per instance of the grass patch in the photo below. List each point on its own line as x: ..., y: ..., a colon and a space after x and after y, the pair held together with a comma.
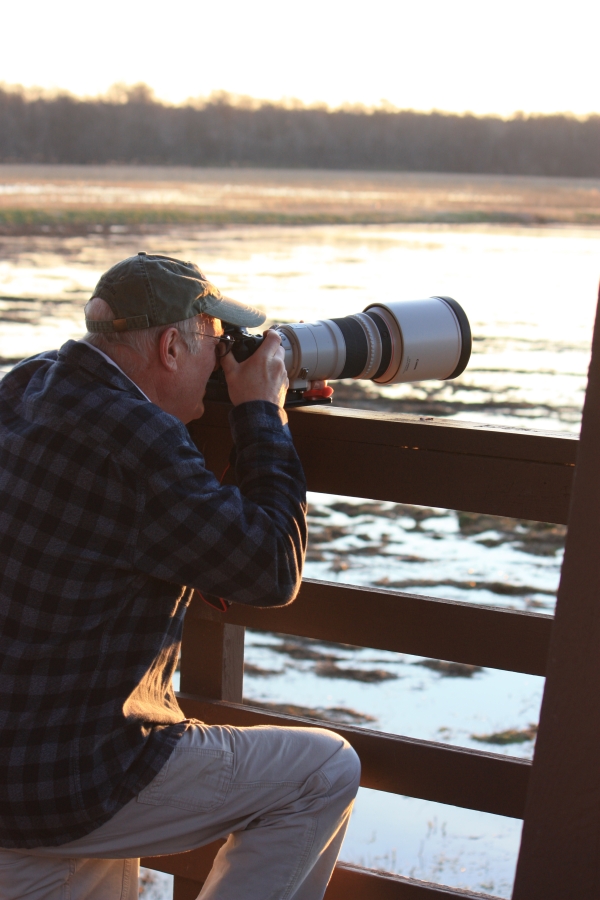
x: 449, y: 669
x: 510, y: 736
x: 84, y: 220
x: 340, y: 715
x: 368, y: 676
x: 259, y: 672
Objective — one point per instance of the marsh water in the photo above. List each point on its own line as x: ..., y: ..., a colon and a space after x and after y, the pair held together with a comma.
x: 530, y: 294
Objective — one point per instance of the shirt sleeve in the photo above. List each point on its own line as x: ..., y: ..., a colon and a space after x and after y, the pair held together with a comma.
x: 245, y: 543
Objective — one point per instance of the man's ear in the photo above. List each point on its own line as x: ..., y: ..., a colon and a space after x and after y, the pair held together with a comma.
x: 169, y: 348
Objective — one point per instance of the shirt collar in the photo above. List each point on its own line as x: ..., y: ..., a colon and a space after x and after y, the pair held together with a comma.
x: 113, y: 363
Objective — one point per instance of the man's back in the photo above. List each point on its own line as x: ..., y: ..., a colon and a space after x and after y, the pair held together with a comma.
x: 106, y: 511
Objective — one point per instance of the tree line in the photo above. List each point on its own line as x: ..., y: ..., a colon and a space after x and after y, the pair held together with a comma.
x: 131, y: 126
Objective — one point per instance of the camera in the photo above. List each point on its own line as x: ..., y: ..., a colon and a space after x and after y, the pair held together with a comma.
x: 388, y: 343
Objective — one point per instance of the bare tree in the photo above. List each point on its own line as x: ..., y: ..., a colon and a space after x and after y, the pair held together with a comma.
x: 129, y: 125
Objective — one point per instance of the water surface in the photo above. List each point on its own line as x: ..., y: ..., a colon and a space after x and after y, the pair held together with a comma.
x: 530, y: 295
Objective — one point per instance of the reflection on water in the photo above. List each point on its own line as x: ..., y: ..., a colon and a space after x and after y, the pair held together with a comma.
x: 433, y: 842
x: 530, y: 296
x: 488, y: 560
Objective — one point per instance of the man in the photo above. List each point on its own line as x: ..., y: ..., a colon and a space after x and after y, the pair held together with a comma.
x: 108, y: 521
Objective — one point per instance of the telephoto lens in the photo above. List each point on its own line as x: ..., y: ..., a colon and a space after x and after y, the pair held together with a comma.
x: 409, y: 340
x: 388, y: 343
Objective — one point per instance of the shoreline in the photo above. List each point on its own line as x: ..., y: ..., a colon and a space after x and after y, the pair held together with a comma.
x: 23, y: 221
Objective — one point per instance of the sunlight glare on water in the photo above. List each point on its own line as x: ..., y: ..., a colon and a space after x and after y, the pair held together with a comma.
x: 529, y: 294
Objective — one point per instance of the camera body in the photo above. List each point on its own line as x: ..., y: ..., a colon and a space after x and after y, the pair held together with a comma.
x: 245, y: 345
x: 388, y: 343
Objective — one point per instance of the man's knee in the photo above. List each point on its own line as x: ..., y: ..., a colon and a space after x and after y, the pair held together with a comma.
x: 342, y: 769
x: 353, y: 768
x: 268, y: 753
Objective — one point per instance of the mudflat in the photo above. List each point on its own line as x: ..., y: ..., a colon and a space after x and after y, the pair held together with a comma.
x: 95, y: 197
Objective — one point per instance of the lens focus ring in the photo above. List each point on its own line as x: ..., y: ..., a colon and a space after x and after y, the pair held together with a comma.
x: 373, y: 344
x: 357, y: 349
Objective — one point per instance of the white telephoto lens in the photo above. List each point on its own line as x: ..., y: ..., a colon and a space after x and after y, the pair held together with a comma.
x: 431, y: 339
x: 313, y: 351
x: 407, y: 340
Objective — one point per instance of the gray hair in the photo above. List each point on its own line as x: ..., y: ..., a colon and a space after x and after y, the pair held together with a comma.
x: 142, y: 340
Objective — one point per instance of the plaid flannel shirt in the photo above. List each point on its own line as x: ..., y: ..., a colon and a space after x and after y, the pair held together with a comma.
x: 108, y: 520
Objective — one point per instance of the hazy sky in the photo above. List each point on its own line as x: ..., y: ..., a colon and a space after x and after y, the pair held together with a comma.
x: 463, y: 55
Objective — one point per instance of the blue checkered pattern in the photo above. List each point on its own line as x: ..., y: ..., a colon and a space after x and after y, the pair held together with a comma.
x: 108, y: 520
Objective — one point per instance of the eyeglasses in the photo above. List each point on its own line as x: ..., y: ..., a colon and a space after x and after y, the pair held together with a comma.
x: 223, y: 343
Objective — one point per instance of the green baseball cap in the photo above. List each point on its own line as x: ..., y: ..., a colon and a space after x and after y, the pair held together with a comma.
x: 148, y: 290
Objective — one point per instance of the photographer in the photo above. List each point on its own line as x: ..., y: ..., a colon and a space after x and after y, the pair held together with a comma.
x: 109, y: 520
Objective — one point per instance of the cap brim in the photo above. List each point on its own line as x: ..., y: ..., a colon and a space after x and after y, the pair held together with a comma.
x: 233, y: 312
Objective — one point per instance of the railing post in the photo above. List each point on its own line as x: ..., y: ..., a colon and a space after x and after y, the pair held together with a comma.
x: 559, y: 849
x: 212, y: 666
x: 184, y: 889
x: 212, y: 659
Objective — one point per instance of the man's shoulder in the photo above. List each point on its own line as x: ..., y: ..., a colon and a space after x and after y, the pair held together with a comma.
x: 74, y: 391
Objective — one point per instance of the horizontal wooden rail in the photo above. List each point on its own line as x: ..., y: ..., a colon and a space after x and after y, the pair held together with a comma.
x: 457, y: 776
x: 405, y: 623
x: 357, y: 882
x: 348, y: 882
x: 406, y: 459
x: 428, y: 462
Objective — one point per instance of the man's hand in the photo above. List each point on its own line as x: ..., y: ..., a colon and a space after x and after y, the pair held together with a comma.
x: 260, y: 377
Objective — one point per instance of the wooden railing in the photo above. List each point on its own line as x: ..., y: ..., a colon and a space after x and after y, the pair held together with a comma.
x: 408, y: 459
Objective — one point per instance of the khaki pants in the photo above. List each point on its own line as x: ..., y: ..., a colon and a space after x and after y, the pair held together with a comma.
x: 283, y: 795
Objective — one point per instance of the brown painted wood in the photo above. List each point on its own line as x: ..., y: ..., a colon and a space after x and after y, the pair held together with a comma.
x: 412, y: 459
x: 354, y: 882
x: 347, y: 881
x: 193, y: 865
x: 405, y: 623
x: 212, y: 658
x: 212, y: 663
x: 183, y: 888
x: 458, y: 776
x: 560, y: 856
